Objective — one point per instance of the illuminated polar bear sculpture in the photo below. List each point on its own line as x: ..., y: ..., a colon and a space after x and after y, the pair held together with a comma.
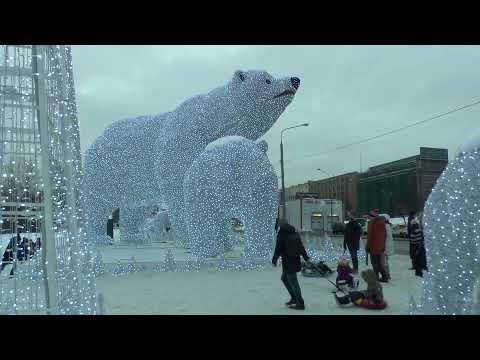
x: 154, y: 227
x: 232, y: 178
x: 145, y: 158
x: 452, y: 237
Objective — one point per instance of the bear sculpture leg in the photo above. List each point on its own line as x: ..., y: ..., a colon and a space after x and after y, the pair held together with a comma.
x: 98, y: 212
x: 260, y: 218
x: 131, y: 219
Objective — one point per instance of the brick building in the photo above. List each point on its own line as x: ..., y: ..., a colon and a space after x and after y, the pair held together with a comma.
x: 291, y: 191
x: 342, y: 187
x: 396, y: 188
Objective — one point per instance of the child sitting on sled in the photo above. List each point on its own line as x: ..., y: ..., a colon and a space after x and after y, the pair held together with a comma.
x: 344, y: 273
x: 372, y: 298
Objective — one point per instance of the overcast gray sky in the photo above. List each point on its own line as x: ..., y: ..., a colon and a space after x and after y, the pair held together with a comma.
x: 347, y: 93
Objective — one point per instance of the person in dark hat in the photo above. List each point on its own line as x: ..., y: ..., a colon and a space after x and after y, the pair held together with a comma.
x: 411, y: 216
x: 417, y: 247
x: 289, y: 247
x: 351, y: 240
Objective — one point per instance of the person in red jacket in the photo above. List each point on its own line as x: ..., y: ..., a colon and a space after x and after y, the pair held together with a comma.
x: 376, y: 236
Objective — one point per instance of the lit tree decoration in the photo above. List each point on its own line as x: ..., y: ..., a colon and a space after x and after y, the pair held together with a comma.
x: 145, y: 158
x: 452, y: 237
x: 361, y: 254
x: 232, y: 178
x: 99, y: 265
x: 329, y: 253
x: 119, y: 269
x: 170, y: 264
x: 43, y: 169
x: 123, y: 268
x: 191, y: 265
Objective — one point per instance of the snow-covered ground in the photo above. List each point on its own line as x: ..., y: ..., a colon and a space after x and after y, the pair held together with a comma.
x: 242, y: 292
x: 224, y: 292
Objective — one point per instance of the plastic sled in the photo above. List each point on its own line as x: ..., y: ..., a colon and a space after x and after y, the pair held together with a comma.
x: 371, y: 306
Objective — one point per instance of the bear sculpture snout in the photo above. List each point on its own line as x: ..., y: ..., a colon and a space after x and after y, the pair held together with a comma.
x: 295, y: 82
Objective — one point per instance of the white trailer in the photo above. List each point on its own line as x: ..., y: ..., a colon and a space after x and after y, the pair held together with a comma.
x: 309, y: 214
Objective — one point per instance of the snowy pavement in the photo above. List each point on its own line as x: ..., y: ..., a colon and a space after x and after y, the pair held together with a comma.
x: 256, y: 292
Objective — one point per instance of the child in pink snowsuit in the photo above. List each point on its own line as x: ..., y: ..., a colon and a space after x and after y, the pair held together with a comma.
x: 344, y: 272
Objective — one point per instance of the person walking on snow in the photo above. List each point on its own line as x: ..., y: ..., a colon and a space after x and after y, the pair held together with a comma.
x: 289, y: 247
x: 351, y: 240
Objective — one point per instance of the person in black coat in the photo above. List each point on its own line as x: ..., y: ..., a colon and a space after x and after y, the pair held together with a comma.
x: 417, y: 244
x: 411, y: 216
x: 351, y: 240
x: 289, y: 247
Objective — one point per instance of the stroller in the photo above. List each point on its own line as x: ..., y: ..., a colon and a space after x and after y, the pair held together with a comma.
x: 316, y: 270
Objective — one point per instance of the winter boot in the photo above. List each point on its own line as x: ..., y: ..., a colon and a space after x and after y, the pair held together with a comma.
x: 297, y: 306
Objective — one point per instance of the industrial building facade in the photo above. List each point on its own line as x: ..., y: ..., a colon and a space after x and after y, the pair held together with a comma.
x: 401, y: 186
x: 395, y: 188
x: 291, y: 191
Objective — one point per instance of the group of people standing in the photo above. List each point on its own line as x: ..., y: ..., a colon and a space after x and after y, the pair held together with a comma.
x: 20, y: 249
x: 379, y: 243
x: 379, y: 247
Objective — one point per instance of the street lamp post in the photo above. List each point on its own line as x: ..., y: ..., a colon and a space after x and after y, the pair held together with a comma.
x: 331, y: 200
x: 284, y: 206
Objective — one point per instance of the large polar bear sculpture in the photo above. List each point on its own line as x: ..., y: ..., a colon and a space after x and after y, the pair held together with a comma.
x: 232, y: 178
x: 145, y: 158
x: 452, y: 237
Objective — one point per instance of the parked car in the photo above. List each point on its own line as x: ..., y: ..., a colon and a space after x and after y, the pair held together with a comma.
x: 399, y: 227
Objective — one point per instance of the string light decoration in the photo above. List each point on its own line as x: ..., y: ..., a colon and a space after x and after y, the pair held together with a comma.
x: 361, y: 254
x: 99, y: 265
x: 232, y: 178
x: 124, y: 268
x: 328, y: 252
x: 452, y: 237
x: 170, y: 264
x: 40, y: 156
x: 145, y: 158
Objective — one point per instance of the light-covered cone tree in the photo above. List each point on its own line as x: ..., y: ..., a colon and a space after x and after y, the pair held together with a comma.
x: 452, y: 236
x: 170, y: 264
x: 329, y: 253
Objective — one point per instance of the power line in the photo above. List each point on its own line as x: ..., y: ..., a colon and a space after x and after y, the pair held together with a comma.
x: 390, y: 132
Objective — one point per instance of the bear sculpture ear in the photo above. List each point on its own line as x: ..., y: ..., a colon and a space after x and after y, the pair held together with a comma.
x: 240, y: 75
x: 263, y: 145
